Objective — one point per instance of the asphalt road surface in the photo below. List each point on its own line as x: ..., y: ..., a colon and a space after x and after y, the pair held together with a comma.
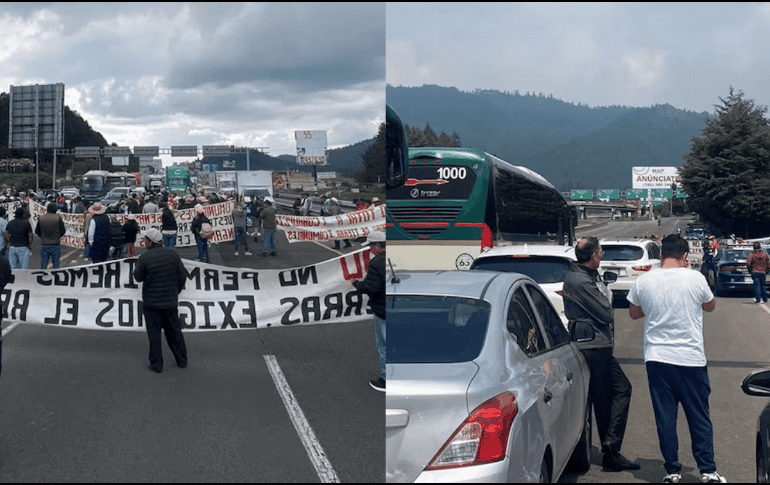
x: 737, y: 339
x: 272, y: 405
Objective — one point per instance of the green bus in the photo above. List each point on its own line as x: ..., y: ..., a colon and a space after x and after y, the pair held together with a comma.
x: 457, y: 203
x: 177, y: 179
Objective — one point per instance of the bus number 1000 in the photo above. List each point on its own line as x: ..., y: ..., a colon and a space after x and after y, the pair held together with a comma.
x: 450, y: 173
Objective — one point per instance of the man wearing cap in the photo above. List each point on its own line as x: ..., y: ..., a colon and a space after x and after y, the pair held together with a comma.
x: 376, y: 202
x: 202, y: 243
x: 374, y: 286
x: 269, y: 226
x: 99, y: 233
x: 163, y: 276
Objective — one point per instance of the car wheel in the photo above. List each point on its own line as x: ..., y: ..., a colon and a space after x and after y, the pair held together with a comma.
x: 580, y: 461
x: 762, y: 462
x: 545, y: 474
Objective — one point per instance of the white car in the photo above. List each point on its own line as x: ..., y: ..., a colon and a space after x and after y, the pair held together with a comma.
x: 547, y: 264
x: 629, y: 258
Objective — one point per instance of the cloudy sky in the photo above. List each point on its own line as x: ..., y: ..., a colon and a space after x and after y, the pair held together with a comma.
x: 247, y: 74
x: 687, y: 55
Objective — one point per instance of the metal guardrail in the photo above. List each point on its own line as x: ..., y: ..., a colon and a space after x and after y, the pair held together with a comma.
x: 285, y: 203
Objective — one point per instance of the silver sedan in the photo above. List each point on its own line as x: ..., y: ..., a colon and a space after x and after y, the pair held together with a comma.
x: 483, y: 382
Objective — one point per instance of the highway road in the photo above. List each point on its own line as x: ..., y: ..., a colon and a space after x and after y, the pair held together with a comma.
x: 737, y: 339
x: 276, y: 405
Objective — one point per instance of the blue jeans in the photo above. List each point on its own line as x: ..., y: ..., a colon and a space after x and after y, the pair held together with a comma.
x: 379, y: 343
x: 760, y: 291
x: 268, y: 240
x: 52, y: 253
x: 671, y: 385
x: 203, y: 249
x: 169, y: 241
x: 18, y: 256
x: 240, y: 233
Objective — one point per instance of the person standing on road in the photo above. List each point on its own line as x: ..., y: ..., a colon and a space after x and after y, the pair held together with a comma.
x: 374, y: 286
x: 50, y: 228
x: 671, y: 299
x: 131, y: 230
x: 239, y: 226
x: 168, y: 228
x: 196, y: 226
x: 588, y: 307
x: 163, y: 276
x: 269, y: 226
x: 150, y: 207
x: 99, y: 233
x: 18, y: 238
x: 758, y: 264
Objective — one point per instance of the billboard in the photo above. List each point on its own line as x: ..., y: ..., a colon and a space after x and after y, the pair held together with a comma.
x: 655, y: 177
x: 311, y: 147
x: 36, y: 116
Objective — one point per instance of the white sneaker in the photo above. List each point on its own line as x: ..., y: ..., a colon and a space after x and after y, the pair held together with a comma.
x: 672, y: 478
x: 712, y: 478
x: 236, y: 253
x: 247, y: 253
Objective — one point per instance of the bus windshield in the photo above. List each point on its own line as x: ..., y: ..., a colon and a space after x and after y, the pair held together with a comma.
x: 457, y: 203
x: 93, y: 183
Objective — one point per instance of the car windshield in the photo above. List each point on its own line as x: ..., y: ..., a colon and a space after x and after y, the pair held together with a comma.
x: 732, y: 254
x: 622, y: 253
x: 542, y: 269
x: 435, y: 329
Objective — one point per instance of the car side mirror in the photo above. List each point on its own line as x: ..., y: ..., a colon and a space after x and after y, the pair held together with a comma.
x: 757, y: 383
x: 609, y: 277
x: 581, y: 331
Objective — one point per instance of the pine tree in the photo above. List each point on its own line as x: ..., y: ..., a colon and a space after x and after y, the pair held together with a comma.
x: 374, y: 159
x: 727, y: 171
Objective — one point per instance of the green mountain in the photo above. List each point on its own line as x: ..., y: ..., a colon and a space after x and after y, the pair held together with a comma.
x: 570, y: 144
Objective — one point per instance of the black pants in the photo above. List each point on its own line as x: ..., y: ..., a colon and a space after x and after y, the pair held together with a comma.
x: 610, y: 394
x: 167, y: 320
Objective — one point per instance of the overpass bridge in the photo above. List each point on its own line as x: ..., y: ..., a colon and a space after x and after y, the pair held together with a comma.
x: 606, y: 210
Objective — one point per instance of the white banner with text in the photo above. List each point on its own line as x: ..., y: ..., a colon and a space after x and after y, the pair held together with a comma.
x: 350, y: 225
x: 105, y: 296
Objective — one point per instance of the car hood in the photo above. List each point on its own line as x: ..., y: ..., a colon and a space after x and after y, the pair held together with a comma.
x: 425, y: 404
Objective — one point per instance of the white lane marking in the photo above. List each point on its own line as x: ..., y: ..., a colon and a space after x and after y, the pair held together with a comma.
x: 312, y: 446
x: 764, y: 307
x: 10, y: 327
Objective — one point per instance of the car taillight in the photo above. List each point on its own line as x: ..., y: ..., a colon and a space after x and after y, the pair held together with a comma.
x: 481, y: 438
x: 642, y: 268
x: 486, y: 238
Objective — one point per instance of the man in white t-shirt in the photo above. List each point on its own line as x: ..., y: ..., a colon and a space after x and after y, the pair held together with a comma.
x: 672, y: 300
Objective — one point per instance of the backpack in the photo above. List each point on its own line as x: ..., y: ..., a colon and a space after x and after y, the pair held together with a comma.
x: 206, y: 230
x: 117, y: 236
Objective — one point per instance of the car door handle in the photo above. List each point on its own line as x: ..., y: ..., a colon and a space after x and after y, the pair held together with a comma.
x: 547, y: 396
x: 569, y: 376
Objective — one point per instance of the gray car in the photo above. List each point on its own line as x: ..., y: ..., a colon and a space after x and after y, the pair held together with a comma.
x: 484, y: 383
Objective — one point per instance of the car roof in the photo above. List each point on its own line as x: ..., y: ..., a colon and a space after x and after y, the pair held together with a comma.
x: 468, y: 284
x: 567, y: 252
x: 626, y: 242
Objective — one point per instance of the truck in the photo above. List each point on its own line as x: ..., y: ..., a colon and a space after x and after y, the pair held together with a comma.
x: 94, y: 185
x: 225, y: 181
x: 156, y: 183
x: 177, y: 179
x: 254, y: 183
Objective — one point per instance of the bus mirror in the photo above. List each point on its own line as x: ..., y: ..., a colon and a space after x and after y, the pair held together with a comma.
x: 396, y: 150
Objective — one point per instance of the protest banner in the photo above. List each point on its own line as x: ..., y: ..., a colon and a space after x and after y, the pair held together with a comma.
x: 219, y: 214
x: 350, y: 225
x: 105, y: 296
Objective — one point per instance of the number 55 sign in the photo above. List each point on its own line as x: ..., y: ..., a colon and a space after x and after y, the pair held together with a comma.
x: 311, y: 147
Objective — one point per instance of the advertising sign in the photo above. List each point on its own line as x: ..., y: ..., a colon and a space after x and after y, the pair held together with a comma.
x: 655, y: 177
x: 36, y: 116
x: 311, y: 147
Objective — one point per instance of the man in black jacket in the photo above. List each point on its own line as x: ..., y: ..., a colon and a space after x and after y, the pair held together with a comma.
x: 588, y: 307
x: 5, y: 277
x: 374, y: 286
x: 164, y: 277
